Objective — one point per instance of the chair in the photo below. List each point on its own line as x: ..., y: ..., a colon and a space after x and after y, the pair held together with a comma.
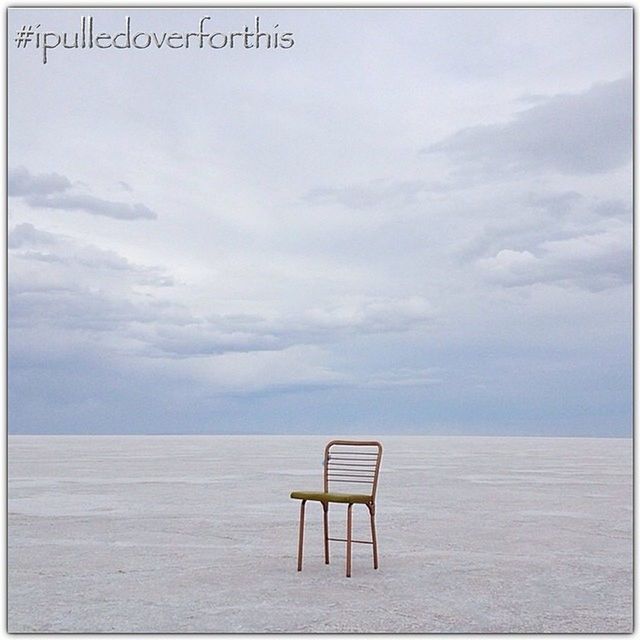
x: 352, y: 462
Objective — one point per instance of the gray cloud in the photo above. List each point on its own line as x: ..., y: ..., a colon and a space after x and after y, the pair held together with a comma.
x: 75, y: 309
x: 27, y: 234
x: 91, y: 204
x: 556, y: 203
x: 72, y: 285
x: 51, y: 191
x: 98, y: 259
x: 82, y: 262
x: 574, y: 134
x: 525, y: 221
x: 317, y: 326
x: 22, y: 183
x: 613, y: 208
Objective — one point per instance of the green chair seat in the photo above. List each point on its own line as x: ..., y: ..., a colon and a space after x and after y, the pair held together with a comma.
x: 331, y: 497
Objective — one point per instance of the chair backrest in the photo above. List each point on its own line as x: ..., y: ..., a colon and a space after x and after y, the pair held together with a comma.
x: 353, y: 462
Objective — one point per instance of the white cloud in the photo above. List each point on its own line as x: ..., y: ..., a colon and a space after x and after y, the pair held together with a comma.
x: 595, y: 261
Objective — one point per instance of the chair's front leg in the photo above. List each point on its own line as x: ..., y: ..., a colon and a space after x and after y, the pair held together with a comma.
x: 372, y: 513
x: 325, y: 509
x: 349, y: 540
x: 301, y: 538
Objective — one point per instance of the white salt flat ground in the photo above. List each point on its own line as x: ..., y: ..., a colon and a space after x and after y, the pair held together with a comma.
x: 169, y: 534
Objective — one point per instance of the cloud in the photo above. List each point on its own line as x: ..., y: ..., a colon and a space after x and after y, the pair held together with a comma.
x: 71, y: 288
x: 27, y: 234
x: 294, y: 368
x: 297, y: 368
x: 93, y: 205
x: 595, y: 262
x: 214, y: 335
x: 509, y: 218
x: 203, y: 337
x: 74, y: 286
x: 574, y: 134
x: 51, y: 191
x: 377, y: 193
x: 22, y: 183
x: 613, y: 208
x: 371, y: 315
x: 99, y: 259
x: 403, y: 377
x: 73, y: 264
x: 559, y: 203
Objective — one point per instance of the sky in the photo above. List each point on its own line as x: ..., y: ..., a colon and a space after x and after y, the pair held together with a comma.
x: 411, y: 221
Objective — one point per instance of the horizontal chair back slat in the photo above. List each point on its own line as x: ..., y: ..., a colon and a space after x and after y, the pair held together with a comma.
x: 353, y: 462
x: 366, y: 465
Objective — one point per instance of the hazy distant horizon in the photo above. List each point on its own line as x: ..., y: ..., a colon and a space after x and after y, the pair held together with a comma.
x: 350, y: 435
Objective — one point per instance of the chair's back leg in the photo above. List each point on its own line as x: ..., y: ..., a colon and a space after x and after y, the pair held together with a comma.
x: 372, y: 513
x: 349, y: 509
x: 325, y: 508
x: 301, y: 535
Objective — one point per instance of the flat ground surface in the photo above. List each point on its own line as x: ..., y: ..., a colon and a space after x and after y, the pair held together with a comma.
x: 197, y: 533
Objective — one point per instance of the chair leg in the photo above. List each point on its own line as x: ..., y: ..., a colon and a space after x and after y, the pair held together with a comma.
x: 372, y: 512
x: 325, y: 508
x: 301, y: 538
x: 349, y: 540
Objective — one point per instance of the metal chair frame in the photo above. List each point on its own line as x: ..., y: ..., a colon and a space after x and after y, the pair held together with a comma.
x: 344, y: 465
